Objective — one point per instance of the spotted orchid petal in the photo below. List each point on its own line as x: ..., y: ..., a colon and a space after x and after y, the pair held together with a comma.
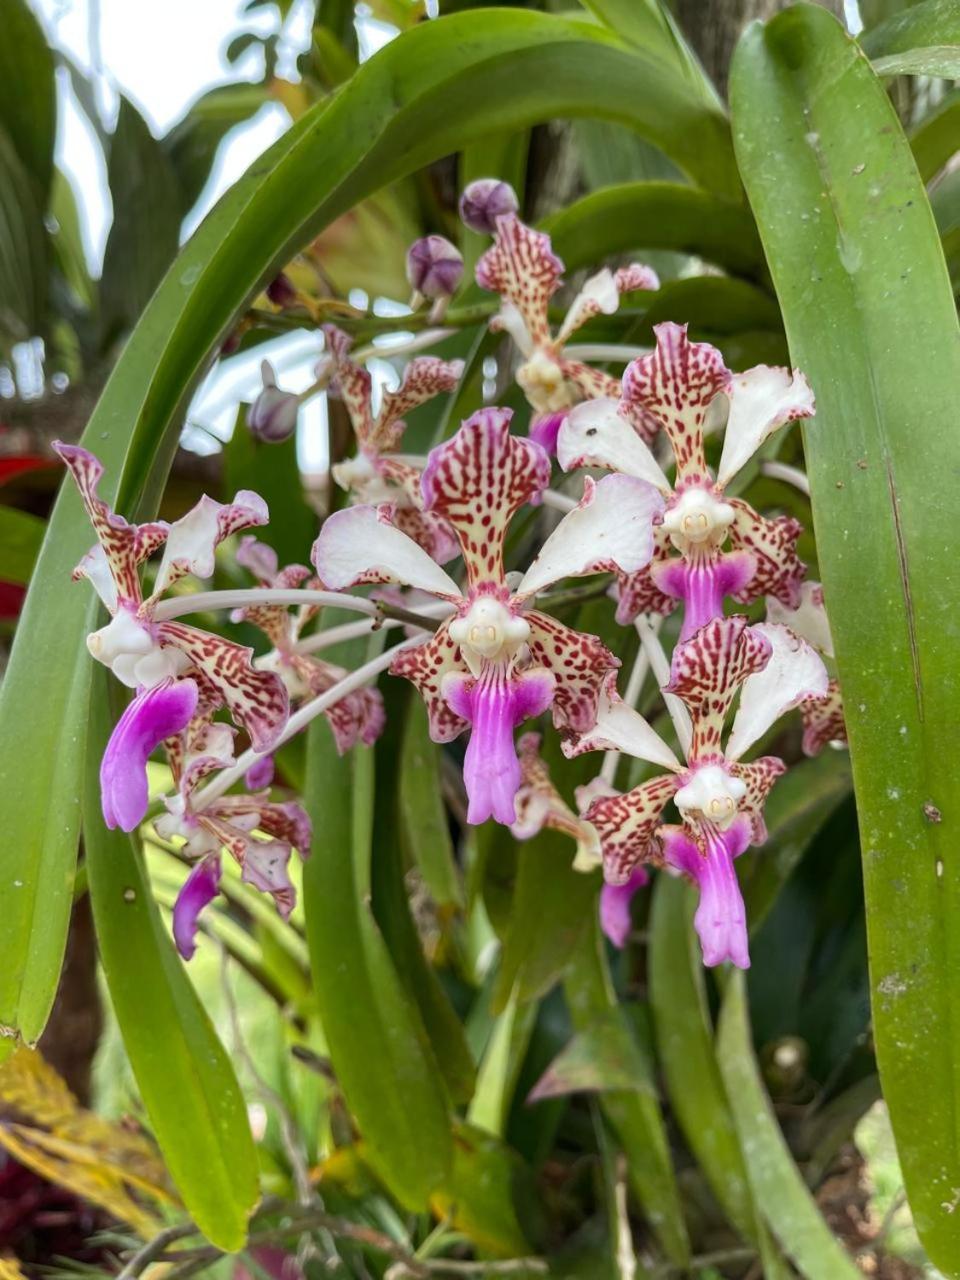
x: 758, y: 777
x: 427, y: 667
x: 823, y: 721
x: 778, y: 571
x: 600, y: 295
x: 676, y: 384
x: 522, y: 268
x: 615, y: 903
x: 627, y: 825
x: 259, y: 558
x: 709, y: 668
x: 286, y: 822
x: 257, y: 699
x: 362, y: 545
x: 595, y: 434
x: 621, y: 728
x: 194, y: 538
x: 112, y: 565
x: 610, y: 528
x: 637, y: 593
x: 493, y: 705
x: 357, y: 717
x: 199, y: 889
x: 429, y: 531
x: 265, y: 866
x: 720, y: 919
x: 539, y: 804
x: 152, y: 716
x: 808, y: 620
x: 795, y: 671
x: 423, y: 378
x: 592, y: 383
x: 761, y: 401
x: 477, y: 480
x: 351, y: 382
x: 580, y: 664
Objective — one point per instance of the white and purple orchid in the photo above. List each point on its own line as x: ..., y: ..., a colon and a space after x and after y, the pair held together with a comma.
x: 497, y: 662
x: 177, y: 671
x: 719, y: 797
x: 378, y: 474
x: 229, y: 822
x: 823, y: 722
x: 674, y: 389
x: 522, y: 268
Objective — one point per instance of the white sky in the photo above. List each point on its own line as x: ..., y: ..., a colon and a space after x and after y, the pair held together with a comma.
x: 164, y: 56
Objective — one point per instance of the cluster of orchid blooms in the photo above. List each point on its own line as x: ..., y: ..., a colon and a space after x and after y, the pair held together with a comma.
x: 493, y: 661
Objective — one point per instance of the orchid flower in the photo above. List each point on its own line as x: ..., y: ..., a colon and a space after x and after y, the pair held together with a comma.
x: 229, y: 822
x: 823, y: 722
x: 177, y: 670
x: 496, y: 662
x: 378, y: 474
x: 673, y: 389
x: 720, y: 799
x: 359, y: 716
x: 539, y: 804
x: 522, y: 268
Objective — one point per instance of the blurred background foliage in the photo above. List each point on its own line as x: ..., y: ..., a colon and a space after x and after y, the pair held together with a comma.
x: 443, y: 1065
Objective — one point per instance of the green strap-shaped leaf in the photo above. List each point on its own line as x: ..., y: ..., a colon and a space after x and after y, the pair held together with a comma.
x: 28, y: 99
x: 854, y: 254
x: 410, y: 104
x: 191, y: 145
x: 426, y: 830
x: 923, y: 40
x: 656, y: 215
x: 20, y: 536
x: 23, y: 251
x: 777, y: 1183
x: 378, y: 1047
x: 183, y: 1072
x: 937, y: 137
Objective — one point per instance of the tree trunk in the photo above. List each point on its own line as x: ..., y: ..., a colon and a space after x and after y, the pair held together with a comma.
x: 713, y: 28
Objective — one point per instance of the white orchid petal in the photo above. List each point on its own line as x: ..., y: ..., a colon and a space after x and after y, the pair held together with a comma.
x: 809, y: 620
x: 620, y: 728
x: 96, y: 569
x: 761, y: 401
x: 510, y: 319
x: 599, y: 296
x: 594, y: 434
x: 794, y: 671
x: 610, y: 528
x: 360, y: 545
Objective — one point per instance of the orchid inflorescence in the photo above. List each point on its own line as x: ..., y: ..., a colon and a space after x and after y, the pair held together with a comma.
x: 669, y: 531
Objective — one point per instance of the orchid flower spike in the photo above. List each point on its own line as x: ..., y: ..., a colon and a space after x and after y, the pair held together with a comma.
x: 674, y: 389
x: 231, y: 823
x: 378, y: 474
x: 720, y: 798
x: 496, y: 662
x: 358, y: 716
x: 522, y: 268
x: 823, y: 722
x: 176, y: 670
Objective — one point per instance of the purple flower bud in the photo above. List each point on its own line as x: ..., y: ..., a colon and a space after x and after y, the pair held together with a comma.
x: 273, y: 415
x: 434, y: 267
x: 260, y: 774
x: 484, y: 201
x: 281, y: 292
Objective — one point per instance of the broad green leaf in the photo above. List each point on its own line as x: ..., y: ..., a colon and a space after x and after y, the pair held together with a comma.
x: 777, y: 1183
x: 945, y: 202
x: 23, y: 251
x: 191, y: 145
x: 383, y: 1062
x: 426, y: 829
x: 489, y: 1194
x: 602, y: 1057
x: 500, y: 1066
x: 685, y: 1048
x: 922, y: 40
x: 870, y: 318
x: 649, y: 25
x: 196, y: 1110
x: 28, y: 100
x: 936, y: 139
x: 633, y: 1115
x: 412, y: 103
x: 271, y: 470
x: 20, y: 536
x: 145, y: 231
x: 656, y: 215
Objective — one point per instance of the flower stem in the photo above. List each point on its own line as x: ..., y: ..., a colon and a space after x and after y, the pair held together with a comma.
x: 299, y: 720
x: 657, y: 658
x: 202, y: 601
x: 789, y: 475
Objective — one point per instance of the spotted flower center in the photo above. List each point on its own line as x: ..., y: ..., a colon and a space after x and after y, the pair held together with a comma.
x: 543, y: 383
x: 711, y: 795
x: 489, y: 631
x: 698, y: 519
x: 359, y: 477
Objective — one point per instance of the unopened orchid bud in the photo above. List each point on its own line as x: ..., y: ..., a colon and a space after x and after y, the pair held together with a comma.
x: 281, y: 292
x: 434, y: 267
x: 484, y: 201
x: 273, y: 415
